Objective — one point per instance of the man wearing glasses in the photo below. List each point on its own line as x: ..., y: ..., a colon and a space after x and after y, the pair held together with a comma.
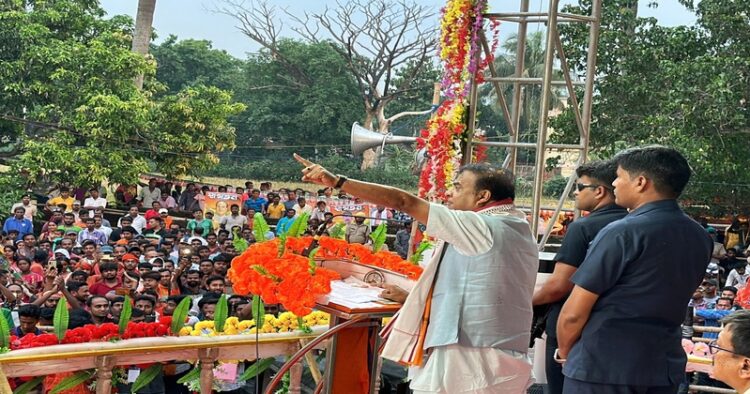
x: 620, y: 329
x: 594, y: 194
x: 731, y: 352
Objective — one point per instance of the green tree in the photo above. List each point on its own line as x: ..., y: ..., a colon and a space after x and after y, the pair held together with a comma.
x: 684, y: 86
x: 180, y: 64
x: 73, y: 113
x: 315, y: 107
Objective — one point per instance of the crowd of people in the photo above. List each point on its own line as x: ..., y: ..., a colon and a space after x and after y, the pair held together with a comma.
x: 161, y: 250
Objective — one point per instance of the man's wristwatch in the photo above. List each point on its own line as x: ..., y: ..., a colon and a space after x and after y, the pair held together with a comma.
x: 340, y: 182
x: 557, y: 358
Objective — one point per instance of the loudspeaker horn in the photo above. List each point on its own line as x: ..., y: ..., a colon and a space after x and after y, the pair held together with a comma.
x: 364, y: 139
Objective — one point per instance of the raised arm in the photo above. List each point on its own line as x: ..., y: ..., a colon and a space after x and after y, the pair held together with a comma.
x: 390, y: 197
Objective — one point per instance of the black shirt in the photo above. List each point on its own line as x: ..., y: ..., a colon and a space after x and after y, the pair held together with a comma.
x: 644, y: 268
x: 575, y: 244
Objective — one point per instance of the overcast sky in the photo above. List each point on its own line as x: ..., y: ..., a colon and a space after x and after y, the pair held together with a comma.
x: 196, y: 19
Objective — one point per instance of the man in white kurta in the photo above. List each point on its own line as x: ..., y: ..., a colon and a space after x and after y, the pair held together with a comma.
x: 477, y: 288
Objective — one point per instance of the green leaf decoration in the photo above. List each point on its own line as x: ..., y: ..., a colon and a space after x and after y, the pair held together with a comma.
x: 221, y: 313
x: 256, y: 369
x: 260, y: 227
x: 302, y: 326
x: 61, y: 319
x: 4, y: 332
x: 125, y: 314
x: 259, y: 312
x: 26, y: 387
x: 73, y: 380
x: 179, y: 315
x: 311, y: 260
x: 299, y: 226
x: 145, y: 377
x: 282, y: 244
x: 337, y: 231
x: 417, y: 256
x: 194, y: 374
x: 378, y: 237
x: 240, y: 244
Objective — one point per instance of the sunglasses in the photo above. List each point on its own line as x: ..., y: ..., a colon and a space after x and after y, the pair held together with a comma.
x: 581, y: 186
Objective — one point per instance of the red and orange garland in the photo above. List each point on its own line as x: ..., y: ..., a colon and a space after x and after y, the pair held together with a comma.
x: 286, y: 277
x: 459, y: 50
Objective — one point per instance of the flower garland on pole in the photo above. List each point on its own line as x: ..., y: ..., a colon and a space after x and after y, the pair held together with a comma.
x: 460, y: 49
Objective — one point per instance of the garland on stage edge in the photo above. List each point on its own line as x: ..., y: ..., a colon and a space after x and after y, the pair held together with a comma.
x: 277, y: 271
x: 459, y: 45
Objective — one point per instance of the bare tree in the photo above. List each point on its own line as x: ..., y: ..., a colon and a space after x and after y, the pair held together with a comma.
x: 376, y: 38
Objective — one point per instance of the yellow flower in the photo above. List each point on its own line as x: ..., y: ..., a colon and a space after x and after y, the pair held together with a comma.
x: 185, y: 331
x: 204, y: 324
x: 232, y: 320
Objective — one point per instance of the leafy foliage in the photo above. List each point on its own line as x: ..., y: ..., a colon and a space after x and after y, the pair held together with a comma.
x: 260, y: 227
x: 258, y: 311
x: 68, y: 91
x: 421, y: 248
x: 299, y: 226
x: 179, y: 315
x: 256, y: 369
x: 683, y: 86
x: 127, y: 311
x: 28, y: 386
x: 221, y: 313
x: 4, y: 333
x: 145, y: 377
x: 73, y: 380
x: 61, y: 319
x: 378, y: 237
x: 283, y: 111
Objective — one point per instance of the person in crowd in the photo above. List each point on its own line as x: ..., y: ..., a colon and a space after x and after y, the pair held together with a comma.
x: 98, y: 306
x: 94, y: 201
x: 380, y: 215
x: 738, y: 276
x: 710, y: 292
x: 233, y: 219
x: 504, y: 262
x: 63, y: 199
x: 320, y: 210
x: 18, y: 223
x: 147, y: 305
x: 109, y: 282
x: 30, y: 209
x: 734, y: 235
x: 731, y: 352
x: 90, y: 233
x: 28, y: 317
x: 615, y: 300
x: 302, y: 207
x: 358, y: 232
x: 291, y: 200
x: 275, y: 210
x: 166, y: 201
x: 198, y: 221
x: 403, y: 236
x: 187, y: 201
x: 149, y: 194
x: 286, y: 222
x: 137, y: 221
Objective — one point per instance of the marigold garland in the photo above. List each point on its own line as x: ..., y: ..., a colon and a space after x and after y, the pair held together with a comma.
x: 442, y: 137
x: 291, y: 281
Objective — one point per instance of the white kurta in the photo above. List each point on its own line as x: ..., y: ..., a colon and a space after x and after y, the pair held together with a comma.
x: 459, y: 369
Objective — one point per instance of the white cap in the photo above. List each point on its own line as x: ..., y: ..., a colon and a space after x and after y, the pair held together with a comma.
x: 62, y: 251
x: 163, y: 210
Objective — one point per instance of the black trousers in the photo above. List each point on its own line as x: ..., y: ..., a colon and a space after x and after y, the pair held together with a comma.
x: 553, y: 369
x: 573, y: 386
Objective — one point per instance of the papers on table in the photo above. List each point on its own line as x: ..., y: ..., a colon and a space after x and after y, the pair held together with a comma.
x: 354, y: 294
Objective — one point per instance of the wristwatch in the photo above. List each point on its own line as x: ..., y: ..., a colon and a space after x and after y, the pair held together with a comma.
x: 340, y: 182
x: 557, y: 358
